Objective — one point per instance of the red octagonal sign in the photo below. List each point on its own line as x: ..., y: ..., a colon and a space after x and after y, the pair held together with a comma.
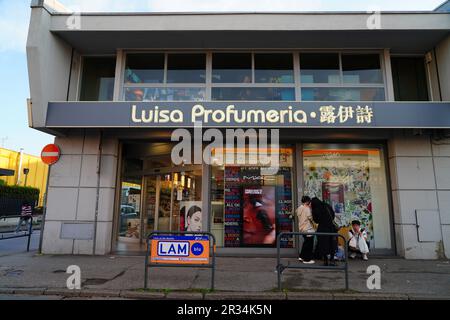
x: 50, y: 154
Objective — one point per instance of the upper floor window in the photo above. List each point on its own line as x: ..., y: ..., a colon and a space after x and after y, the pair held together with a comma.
x: 97, y: 80
x: 144, y: 68
x: 361, y: 68
x: 341, y: 77
x: 186, y: 68
x: 319, y: 68
x: 274, y: 68
x: 165, y: 77
x: 410, y: 80
x: 254, y: 76
x: 232, y: 68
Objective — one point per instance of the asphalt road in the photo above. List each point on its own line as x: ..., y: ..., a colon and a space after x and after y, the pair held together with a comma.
x: 18, y: 245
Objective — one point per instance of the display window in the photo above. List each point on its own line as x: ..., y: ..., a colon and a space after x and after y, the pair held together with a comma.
x: 252, y: 203
x: 352, y: 179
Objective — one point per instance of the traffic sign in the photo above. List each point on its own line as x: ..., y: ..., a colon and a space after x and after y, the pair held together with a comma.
x: 50, y: 154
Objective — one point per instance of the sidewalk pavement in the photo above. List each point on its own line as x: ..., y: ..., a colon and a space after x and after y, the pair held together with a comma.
x: 122, y: 277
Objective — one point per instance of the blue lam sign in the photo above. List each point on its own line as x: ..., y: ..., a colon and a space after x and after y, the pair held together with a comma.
x: 180, y: 250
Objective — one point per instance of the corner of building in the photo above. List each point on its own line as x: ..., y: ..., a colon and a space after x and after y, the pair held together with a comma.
x: 80, y: 201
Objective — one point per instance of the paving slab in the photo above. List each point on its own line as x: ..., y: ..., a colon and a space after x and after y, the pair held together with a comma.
x: 428, y: 297
x: 367, y: 296
x: 309, y: 296
x: 184, y: 296
x: 62, y: 292
x: 138, y: 295
x: 245, y: 296
x: 30, y: 291
x: 99, y: 293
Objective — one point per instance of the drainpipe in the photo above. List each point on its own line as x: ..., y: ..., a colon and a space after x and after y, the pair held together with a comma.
x: 97, y: 199
x: 19, y: 170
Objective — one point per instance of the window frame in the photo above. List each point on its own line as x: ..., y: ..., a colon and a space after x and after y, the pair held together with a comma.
x: 297, y: 84
x: 80, y: 71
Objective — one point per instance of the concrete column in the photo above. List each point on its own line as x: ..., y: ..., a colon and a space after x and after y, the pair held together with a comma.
x: 72, y: 196
x: 417, y: 178
x: 441, y: 158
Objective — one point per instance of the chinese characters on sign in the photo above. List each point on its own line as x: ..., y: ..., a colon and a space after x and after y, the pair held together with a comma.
x: 329, y: 115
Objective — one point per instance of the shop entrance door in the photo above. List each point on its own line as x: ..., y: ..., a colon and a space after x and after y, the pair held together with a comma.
x: 172, y: 200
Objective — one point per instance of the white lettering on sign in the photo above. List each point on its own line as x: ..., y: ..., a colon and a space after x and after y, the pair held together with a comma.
x: 173, y: 248
x: 329, y: 114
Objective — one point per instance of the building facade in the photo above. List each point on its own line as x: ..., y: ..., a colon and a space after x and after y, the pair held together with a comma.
x: 356, y: 106
x: 13, y: 166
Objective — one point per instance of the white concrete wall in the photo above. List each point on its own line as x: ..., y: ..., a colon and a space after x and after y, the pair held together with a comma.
x: 72, y: 193
x: 420, y: 177
x: 49, y: 62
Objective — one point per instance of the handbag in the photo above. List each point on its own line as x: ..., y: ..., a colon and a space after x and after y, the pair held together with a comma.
x: 314, y: 225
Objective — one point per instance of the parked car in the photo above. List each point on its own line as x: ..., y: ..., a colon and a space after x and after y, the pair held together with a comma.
x: 126, y: 212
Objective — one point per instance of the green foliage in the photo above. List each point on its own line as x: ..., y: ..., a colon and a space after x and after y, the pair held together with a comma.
x: 17, y: 192
x: 2, y: 183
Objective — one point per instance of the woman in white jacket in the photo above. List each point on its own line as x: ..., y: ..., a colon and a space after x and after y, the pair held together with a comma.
x: 305, y: 225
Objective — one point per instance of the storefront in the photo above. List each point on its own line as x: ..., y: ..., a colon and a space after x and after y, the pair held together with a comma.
x: 250, y: 204
x: 164, y: 129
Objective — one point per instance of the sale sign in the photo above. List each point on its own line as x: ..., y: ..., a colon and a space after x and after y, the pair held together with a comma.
x: 180, y: 250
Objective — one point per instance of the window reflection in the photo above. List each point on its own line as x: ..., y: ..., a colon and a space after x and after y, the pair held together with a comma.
x: 343, y: 94
x: 144, y: 68
x: 319, y: 68
x: 274, y: 68
x: 232, y: 68
x: 97, y: 82
x: 361, y: 68
x: 254, y: 94
x: 164, y: 94
x: 186, y: 68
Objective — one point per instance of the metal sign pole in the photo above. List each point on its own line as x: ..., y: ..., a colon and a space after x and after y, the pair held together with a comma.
x: 281, y: 267
x: 30, y: 232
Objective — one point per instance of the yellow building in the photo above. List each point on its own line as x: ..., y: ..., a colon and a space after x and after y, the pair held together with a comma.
x: 17, y: 162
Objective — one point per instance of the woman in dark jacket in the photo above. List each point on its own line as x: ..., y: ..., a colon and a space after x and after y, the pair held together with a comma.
x: 323, y: 214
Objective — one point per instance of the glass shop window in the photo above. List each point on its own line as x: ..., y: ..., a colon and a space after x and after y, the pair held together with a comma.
x: 164, y: 94
x: 319, y: 68
x: 361, y: 68
x: 186, y: 68
x: 410, y: 80
x: 342, y: 94
x: 274, y: 68
x: 232, y: 68
x: 97, y: 83
x: 251, y: 202
x: 341, y: 77
x: 144, y: 68
x: 253, y: 94
x: 352, y: 179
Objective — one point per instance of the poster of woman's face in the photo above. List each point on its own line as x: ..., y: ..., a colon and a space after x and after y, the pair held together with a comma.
x: 192, y: 213
x: 259, y: 216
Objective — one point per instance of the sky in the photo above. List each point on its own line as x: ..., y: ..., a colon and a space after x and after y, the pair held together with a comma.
x: 14, y: 18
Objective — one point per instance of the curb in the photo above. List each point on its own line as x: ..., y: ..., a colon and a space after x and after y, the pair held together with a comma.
x: 186, y: 296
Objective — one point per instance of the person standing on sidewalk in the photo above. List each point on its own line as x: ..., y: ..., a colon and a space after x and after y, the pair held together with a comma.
x: 305, y: 224
x: 25, y: 215
x: 326, y: 248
